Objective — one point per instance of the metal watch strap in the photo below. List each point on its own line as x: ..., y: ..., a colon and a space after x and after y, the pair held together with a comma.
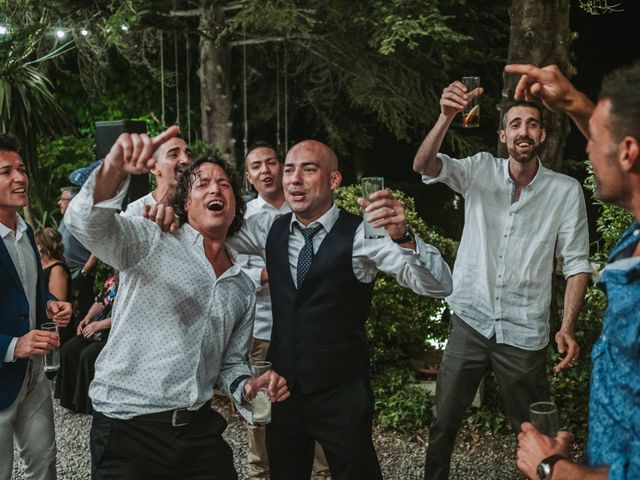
x: 545, y: 467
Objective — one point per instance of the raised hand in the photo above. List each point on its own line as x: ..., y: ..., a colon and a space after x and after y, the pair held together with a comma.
x: 387, y: 212
x: 133, y: 152
x: 455, y: 97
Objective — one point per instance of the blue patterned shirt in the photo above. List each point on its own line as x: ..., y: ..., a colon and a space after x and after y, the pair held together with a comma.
x: 614, y: 409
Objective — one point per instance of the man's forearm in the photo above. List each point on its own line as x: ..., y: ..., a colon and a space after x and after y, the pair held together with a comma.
x: 426, y: 161
x: 89, y: 264
x: 580, y: 109
x: 573, y: 298
x: 566, y: 470
x: 108, y: 180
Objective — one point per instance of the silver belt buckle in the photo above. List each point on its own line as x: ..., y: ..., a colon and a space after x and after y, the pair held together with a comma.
x: 174, y: 419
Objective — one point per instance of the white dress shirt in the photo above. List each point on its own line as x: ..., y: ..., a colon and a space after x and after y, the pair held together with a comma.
x: 502, y: 273
x: 134, y: 209
x: 177, y: 328
x: 423, y: 271
x: 263, y: 319
x: 24, y: 260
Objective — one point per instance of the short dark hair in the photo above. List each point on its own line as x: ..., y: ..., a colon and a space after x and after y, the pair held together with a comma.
x: 9, y: 143
x: 521, y: 103
x: 622, y: 88
x: 185, y: 182
x: 263, y: 144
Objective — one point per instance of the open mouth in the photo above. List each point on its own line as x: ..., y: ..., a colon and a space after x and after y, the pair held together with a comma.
x: 524, y: 143
x: 297, y: 195
x: 215, y: 205
x: 19, y: 190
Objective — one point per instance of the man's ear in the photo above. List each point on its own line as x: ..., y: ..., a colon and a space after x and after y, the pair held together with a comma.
x: 502, y: 136
x: 629, y: 153
x: 543, y: 135
x: 336, y: 179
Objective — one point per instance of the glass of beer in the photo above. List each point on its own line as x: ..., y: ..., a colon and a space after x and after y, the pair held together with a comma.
x: 51, y: 358
x: 369, y: 186
x: 471, y: 113
x: 261, y: 404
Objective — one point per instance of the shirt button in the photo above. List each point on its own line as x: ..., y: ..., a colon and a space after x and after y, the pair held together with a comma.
x: 505, y: 235
x: 497, y: 298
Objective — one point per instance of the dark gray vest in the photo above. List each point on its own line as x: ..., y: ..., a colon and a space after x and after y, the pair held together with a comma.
x: 318, y: 338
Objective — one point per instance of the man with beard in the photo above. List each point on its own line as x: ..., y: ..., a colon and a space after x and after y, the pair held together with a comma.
x: 172, y: 158
x: 518, y: 215
x: 613, y: 129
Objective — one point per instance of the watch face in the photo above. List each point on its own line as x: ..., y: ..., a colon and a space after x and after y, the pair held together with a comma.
x: 543, y: 471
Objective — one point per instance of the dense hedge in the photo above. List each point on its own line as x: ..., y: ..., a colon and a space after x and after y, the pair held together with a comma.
x: 400, y: 325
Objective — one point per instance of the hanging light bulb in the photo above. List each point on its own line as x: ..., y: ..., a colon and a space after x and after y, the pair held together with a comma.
x: 124, y: 28
x: 84, y: 32
x: 60, y: 33
x: 3, y: 30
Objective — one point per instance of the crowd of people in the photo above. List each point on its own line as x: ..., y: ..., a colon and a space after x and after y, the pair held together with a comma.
x: 207, y: 286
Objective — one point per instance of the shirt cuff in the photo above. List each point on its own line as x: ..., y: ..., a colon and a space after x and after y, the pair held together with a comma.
x: 236, y: 389
x: 9, y: 356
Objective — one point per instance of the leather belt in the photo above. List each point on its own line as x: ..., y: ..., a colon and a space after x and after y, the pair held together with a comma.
x: 179, y: 417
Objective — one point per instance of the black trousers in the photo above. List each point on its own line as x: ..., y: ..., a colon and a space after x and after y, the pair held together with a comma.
x: 140, y: 449
x: 338, y: 418
x: 521, y: 375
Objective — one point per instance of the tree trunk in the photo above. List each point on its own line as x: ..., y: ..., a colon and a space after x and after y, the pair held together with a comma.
x: 215, y: 85
x: 540, y: 35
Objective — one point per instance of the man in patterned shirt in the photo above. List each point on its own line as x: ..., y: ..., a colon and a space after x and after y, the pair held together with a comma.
x: 182, y: 321
x: 613, y: 130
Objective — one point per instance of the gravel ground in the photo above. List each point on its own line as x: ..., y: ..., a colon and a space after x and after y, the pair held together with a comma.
x: 477, y: 456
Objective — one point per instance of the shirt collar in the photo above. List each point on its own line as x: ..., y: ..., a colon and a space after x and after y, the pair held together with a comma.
x: 260, y: 202
x: 507, y: 178
x: 327, y: 220
x: 21, y: 227
x: 195, y: 238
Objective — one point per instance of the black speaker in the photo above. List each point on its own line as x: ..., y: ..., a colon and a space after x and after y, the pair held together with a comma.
x: 107, y: 132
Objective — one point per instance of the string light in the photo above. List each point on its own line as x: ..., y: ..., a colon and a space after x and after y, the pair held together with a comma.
x: 3, y: 30
x: 124, y: 28
x: 60, y: 33
x: 84, y: 32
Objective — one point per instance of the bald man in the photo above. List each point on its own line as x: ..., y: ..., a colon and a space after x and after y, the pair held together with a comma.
x: 321, y: 276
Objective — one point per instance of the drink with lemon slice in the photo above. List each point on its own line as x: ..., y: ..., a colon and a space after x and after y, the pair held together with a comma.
x: 471, y: 113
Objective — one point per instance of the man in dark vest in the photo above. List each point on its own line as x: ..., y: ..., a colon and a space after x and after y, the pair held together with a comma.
x: 321, y: 274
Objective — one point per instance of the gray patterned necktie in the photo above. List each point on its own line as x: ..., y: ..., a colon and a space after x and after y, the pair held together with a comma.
x: 306, y: 253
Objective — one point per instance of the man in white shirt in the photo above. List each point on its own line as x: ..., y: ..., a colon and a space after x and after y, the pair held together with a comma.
x: 172, y: 158
x: 264, y: 171
x: 26, y: 410
x: 518, y: 216
x: 182, y: 321
x: 321, y: 276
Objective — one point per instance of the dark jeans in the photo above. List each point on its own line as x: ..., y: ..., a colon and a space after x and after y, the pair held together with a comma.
x: 140, y: 449
x: 338, y: 418
x: 521, y: 375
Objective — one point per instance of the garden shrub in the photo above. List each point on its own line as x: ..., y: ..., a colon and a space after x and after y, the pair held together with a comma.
x: 400, y: 324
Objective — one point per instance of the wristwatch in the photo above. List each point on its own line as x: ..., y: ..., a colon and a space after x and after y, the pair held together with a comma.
x: 407, y: 237
x: 545, y: 467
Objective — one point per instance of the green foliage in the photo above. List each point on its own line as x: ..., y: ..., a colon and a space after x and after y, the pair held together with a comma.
x: 401, y: 324
x: 399, y: 403
x: 57, y: 158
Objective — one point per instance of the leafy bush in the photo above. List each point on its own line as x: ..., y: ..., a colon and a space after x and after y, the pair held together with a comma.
x: 400, y: 324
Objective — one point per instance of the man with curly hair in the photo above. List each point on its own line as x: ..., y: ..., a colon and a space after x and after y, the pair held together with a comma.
x: 181, y: 324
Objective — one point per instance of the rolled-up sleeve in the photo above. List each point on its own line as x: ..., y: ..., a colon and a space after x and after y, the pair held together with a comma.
x: 456, y: 173
x: 573, y: 235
